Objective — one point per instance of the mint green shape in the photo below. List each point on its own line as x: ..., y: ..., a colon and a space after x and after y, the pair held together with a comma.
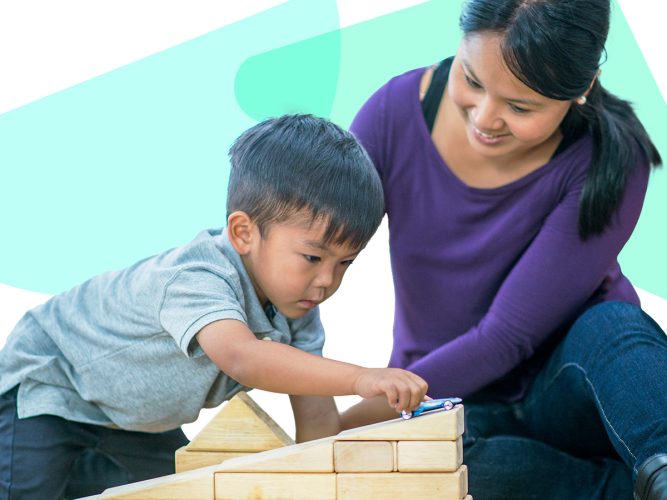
x: 301, y: 77
x: 376, y: 50
x: 133, y: 162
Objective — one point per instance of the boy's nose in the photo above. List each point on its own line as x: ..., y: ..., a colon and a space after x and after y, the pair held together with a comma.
x: 324, y: 279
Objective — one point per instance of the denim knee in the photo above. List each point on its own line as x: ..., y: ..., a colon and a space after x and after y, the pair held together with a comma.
x: 611, y: 321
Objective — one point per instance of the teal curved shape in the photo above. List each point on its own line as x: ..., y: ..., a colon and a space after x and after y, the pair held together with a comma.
x: 298, y: 78
x: 133, y: 162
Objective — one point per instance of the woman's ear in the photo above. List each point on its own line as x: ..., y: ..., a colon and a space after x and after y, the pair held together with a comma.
x: 241, y: 231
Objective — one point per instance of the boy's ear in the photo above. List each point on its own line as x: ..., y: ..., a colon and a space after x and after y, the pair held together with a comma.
x: 241, y: 230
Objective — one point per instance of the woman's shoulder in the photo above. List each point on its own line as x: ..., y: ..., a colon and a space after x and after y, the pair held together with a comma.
x: 400, y: 89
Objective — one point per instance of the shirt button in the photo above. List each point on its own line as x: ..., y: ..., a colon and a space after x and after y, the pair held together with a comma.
x: 267, y: 338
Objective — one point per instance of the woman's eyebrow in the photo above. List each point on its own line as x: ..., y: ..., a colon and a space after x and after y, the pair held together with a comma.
x: 528, y: 102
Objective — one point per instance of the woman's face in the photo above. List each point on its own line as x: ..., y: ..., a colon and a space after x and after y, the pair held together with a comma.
x: 503, y: 117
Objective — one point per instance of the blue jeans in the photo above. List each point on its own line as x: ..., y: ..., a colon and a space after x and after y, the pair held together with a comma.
x: 48, y: 457
x: 595, y: 412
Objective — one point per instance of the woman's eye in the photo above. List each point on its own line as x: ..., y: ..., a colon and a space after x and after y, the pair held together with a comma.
x: 312, y: 258
x: 519, y: 110
x: 472, y: 82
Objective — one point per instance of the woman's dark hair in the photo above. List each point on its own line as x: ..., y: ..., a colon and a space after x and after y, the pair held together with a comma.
x: 306, y: 167
x: 554, y: 47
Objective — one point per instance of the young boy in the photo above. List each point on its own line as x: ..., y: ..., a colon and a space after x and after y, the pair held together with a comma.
x: 114, y: 366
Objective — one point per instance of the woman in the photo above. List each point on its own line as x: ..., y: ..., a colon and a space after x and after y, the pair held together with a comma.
x: 512, y: 180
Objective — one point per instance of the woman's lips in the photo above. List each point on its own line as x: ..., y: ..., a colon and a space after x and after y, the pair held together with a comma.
x: 487, y: 139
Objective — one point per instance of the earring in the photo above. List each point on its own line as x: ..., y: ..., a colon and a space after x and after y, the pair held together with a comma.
x: 581, y: 100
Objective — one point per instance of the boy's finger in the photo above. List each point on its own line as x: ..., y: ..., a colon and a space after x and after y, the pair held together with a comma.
x: 417, y: 396
x: 392, y: 397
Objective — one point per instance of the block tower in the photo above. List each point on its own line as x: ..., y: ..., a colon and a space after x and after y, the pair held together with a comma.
x: 398, y: 459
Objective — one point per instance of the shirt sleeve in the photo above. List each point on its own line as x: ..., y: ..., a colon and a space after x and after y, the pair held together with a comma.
x: 308, y: 333
x: 556, y: 275
x: 192, y: 299
x: 368, y: 127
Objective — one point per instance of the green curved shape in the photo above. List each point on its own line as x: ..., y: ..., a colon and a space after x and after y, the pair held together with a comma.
x: 298, y: 78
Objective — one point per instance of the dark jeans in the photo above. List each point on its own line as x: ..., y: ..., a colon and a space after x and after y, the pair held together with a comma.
x: 593, y: 415
x: 48, y: 457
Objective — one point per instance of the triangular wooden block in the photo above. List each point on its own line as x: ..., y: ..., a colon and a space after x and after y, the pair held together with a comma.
x: 241, y: 425
x: 444, y: 425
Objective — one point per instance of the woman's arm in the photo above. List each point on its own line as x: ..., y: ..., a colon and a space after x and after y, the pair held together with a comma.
x: 547, y: 287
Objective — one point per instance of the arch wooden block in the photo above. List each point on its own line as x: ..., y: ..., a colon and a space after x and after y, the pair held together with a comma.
x: 241, y: 425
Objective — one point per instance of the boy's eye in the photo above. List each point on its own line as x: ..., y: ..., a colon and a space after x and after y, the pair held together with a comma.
x: 471, y: 82
x: 312, y: 258
x: 347, y: 263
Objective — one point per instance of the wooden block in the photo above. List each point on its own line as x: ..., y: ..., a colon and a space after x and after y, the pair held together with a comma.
x: 363, y: 456
x: 435, y: 425
x: 272, y: 486
x: 192, y: 485
x: 241, y: 425
x: 311, y: 456
x: 404, y: 485
x: 429, y: 456
x: 189, y: 460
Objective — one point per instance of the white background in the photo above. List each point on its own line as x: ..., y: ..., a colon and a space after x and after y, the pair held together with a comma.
x: 41, y: 52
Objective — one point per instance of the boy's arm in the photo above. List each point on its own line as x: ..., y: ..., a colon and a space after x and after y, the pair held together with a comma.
x: 368, y: 411
x: 315, y: 417
x: 276, y: 367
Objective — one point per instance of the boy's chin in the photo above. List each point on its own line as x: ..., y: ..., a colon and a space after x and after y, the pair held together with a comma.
x: 293, y: 312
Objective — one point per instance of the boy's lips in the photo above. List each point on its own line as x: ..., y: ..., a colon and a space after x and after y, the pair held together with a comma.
x: 309, y: 303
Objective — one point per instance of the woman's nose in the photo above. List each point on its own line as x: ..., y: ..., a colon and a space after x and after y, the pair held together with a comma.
x: 486, y: 115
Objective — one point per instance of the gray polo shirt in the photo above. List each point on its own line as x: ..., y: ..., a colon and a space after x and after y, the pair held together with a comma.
x: 119, y: 350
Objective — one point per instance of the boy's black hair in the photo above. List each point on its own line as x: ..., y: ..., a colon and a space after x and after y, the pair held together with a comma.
x: 298, y: 165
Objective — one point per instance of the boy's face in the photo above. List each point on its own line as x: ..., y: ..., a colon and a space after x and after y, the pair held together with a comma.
x: 292, y: 269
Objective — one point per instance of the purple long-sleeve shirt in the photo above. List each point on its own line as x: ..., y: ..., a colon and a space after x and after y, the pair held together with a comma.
x: 484, y: 277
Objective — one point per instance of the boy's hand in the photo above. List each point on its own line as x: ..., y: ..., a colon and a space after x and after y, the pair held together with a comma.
x: 403, y: 389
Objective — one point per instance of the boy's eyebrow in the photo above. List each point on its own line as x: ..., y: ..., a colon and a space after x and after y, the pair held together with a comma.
x: 321, y: 246
x: 529, y: 102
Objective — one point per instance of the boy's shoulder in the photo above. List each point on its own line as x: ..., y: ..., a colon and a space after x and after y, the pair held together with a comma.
x: 205, y: 259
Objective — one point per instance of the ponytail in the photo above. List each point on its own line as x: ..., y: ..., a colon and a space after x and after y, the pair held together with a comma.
x: 619, y: 142
x: 554, y: 47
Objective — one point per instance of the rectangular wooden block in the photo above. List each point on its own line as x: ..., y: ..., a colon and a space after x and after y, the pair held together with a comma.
x: 429, y: 456
x: 311, y: 456
x: 435, y: 425
x: 189, y: 460
x: 275, y: 486
x: 363, y: 456
x: 404, y: 485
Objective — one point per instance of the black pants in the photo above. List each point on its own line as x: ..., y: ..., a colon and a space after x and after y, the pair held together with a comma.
x: 48, y: 457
